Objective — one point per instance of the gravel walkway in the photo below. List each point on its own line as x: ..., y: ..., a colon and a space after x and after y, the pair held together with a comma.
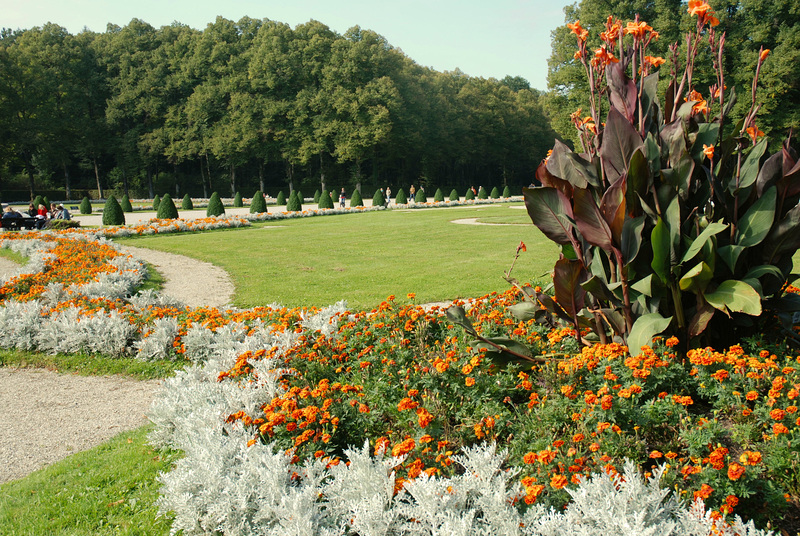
x: 47, y: 416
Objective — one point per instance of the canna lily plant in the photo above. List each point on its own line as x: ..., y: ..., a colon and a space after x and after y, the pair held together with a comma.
x: 670, y: 220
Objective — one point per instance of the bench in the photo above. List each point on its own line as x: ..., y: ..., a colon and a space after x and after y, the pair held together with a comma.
x: 15, y: 224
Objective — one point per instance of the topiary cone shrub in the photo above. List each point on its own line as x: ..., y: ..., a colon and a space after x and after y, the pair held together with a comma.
x: 454, y: 195
x: 156, y: 202
x: 281, y: 199
x: 438, y: 196
x: 125, y: 203
x: 506, y: 192
x: 112, y: 212
x: 672, y: 220
x: 420, y: 196
x: 400, y: 198
x: 378, y: 200
x: 300, y: 196
x: 495, y: 193
x: 325, y: 200
x: 258, y: 204
x: 215, y: 207
x: 166, y: 209
x: 294, y: 204
x: 186, y: 203
x: 85, y: 207
x: 237, y: 200
x: 46, y: 202
x: 470, y: 195
x: 356, y: 200
x: 316, y: 196
x: 39, y: 200
x: 482, y: 193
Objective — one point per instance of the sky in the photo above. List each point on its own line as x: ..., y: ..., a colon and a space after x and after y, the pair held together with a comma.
x: 483, y: 38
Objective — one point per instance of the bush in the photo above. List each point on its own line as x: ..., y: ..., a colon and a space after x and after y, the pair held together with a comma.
x: 401, y: 198
x: 316, y: 196
x: 237, y: 200
x: 166, y: 209
x: 325, y: 200
x: 378, y: 200
x: 300, y: 196
x: 258, y: 204
x: 39, y: 200
x: 421, y: 197
x: 186, y: 203
x: 85, y: 208
x: 454, y: 195
x: 482, y: 193
x: 156, y: 202
x: 281, y: 199
x: 495, y: 193
x: 126, y: 203
x: 294, y: 204
x: 356, y: 200
x: 112, y: 212
x: 506, y: 192
x: 46, y: 202
x: 215, y: 207
x: 470, y: 195
x: 438, y: 196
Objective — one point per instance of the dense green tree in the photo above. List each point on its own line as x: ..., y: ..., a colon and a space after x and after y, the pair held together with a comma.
x: 112, y: 212
x: 258, y: 204
x: 237, y: 200
x: 400, y: 198
x: 356, y: 200
x: 215, y: 207
x: 281, y: 199
x: 186, y: 203
x: 453, y: 195
x: 295, y: 203
x: 125, y: 203
x: 86, y: 206
x: 438, y: 196
x: 325, y: 200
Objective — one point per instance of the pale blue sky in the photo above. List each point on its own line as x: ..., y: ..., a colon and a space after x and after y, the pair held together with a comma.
x: 481, y: 37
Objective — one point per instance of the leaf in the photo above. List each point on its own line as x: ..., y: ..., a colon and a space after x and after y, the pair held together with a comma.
x: 770, y: 173
x: 754, y: 226
x: 644, y: 286
x: 702, y: 238
x: 701, y: 318
x: 458, y: 316
x: 749, y: 171
x: 620, y: 141
x: 590, y: 221
x: 730, y: 254
x: 638, y: 180
x: 659, y: 239
x: 784, y: 237
x: 736, y: 296
x: 566, y: 282
x: 680, y: 175
x: 612, y: 206
x: 565, y: 164
x: 551, y: 181
x: 644, y: 329
x: 696, y: 279
x: 631, y: 239
x: 524, y: 311
x: 505, y: 342
x: 622, y: 91
x: 649, y: 92
x: 765, y: 269
x: 597, y: 288
x: 672, y: 141
x: 550, y: 211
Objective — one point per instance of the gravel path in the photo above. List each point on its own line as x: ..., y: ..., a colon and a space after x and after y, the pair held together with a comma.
x: 47, y: 416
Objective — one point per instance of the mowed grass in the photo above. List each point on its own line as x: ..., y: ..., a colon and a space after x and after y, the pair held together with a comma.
x: 364, y: 258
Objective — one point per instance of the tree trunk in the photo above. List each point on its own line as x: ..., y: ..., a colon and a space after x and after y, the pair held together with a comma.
x: 150, y: 182
x: 177, y: 186
x: 321, y: 173
x: 67, y: 185
x: 233, y: 180
x: 125, y: 182
x: 29, y: 170
x: 290, y: 177
x: 203, y: 179
x: 208, y: 169
x: 261, y: 176
x: 97, y: 178
x: 358, y: 175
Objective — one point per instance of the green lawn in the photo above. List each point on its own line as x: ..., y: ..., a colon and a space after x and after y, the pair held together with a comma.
x: 367, y: 257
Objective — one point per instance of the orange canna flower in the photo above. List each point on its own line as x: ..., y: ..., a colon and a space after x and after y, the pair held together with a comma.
x: 754, y: 133
x: 578, y: 30
x: 708, y: 150
x: 764, y: 54
x: 603, y: 57
x: 637, y: 30
x: 703, y: 11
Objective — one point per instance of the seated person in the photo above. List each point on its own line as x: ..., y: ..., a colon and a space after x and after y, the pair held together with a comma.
x: 9, y: 212
x: 61, y: 213
x: 41, y: 216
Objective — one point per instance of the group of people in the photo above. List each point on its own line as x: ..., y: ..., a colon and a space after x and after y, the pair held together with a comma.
x: 40, y: 213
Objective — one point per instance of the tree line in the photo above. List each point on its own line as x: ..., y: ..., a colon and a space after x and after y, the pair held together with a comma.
x: 748, y: 25
x: 251, y: 104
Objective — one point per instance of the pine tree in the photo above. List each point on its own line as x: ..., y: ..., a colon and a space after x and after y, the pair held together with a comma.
x: 378, y: 200
x: 156, y: 201
x: 400, y: 198
x: 495, y: 193
x: 454, y: 195
x: 281, y: 199
x: 506, y: 192
x: 325, y: 200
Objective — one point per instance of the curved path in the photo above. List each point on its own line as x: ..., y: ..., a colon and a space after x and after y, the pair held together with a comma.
x: 48, y: 416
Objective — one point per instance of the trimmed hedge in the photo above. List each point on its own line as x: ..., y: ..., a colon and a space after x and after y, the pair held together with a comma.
x: 126, y: 203
x: 506, y: 192
x: 316, y: 195
x: 281, y: 199
x: 112, y: 212
x: 325, y: 200
x: 85, y: 208
x: 215, y: 207
x: 378, y: 200
x: 482, y: 193
x: 438, y: 196
x: 237, y: 200
x: 294, y: 204
x: 186, y: 203
x: 156, y: 202
x: 420, y: 197
x: 470, y: 195
x: 356, y: 200
x: 258, y: 204
x: 401, y: 198
x: 166, y: 209
x: 453, y: 195
x: 495, y: 193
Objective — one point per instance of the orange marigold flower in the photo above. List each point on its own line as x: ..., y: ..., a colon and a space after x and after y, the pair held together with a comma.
x: 779, y: 428
x: 704, y: 492
x: 735, y: 471
x: 751, y: 395
x: 469, y: 382
x: 529, y: 458
x: 656, y: 454
x: 404, y: 447
x: 750, y: 457
x: 558, y: 481
x: 777, y: 414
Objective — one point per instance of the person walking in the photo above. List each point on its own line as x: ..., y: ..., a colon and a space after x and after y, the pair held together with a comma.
x: 411, y: 192
x: 388, y: 196
x: 342, y: 198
